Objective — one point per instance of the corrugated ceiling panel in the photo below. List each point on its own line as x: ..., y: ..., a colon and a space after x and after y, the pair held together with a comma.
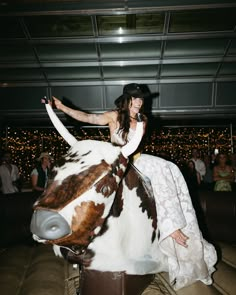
x: 130, y: 24
x: 59, y: 25
x: 200, y: 20
x: 131, y: 50
x: 21, y: 52
x: 65, y: 52
x: 232, y: 49
x: 198, y: 69
x: 198, y: 47
x: 21, y: 75
x: 130, y: 72
x: 10, y: 28
x: 228, y: 68
x: 75, y: 73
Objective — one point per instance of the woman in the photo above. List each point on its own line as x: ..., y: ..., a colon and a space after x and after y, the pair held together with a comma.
x: 223, y: 174
x: 179, y: 231
x: 39, y: 175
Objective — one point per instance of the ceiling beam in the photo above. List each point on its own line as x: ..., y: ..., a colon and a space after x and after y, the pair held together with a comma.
x: 92, y: 7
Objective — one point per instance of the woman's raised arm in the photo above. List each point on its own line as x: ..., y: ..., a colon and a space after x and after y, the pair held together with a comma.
x: 96, y: 119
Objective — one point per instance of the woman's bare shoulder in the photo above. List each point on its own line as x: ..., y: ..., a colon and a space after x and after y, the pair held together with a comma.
x: 112, y: 115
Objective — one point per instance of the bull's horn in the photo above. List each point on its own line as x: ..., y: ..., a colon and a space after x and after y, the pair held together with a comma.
x: 69, y: 138
x: 133, y: 144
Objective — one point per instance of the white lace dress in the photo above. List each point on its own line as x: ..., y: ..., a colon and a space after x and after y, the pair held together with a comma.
x: 175, y: 211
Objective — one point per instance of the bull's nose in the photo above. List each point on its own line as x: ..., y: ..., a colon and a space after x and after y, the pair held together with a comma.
x: 49, y: 225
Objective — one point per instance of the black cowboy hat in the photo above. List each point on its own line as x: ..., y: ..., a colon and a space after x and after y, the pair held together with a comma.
x: 130, y: 90
x: 133, y: 90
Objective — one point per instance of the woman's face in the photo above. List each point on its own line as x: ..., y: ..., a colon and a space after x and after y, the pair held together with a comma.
x: 191, y: 165
x: 222, y: 159
x: 135, y: 105
x: 46, y: 161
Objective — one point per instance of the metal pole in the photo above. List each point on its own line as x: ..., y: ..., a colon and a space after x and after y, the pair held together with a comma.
x: 208, y: 145
x: 6, y: 142
x: 231, y: 138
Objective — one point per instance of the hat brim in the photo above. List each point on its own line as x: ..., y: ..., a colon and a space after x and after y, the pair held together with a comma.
x: 45, y: 156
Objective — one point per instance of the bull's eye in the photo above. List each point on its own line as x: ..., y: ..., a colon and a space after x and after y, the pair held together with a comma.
x: 105, y: 190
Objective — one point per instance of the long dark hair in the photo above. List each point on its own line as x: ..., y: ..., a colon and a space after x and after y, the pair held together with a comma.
x: 192, y: 170
x: 122, y: 107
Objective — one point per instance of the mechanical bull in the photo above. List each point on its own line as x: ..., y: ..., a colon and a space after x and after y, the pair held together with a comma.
x: 99, y: 207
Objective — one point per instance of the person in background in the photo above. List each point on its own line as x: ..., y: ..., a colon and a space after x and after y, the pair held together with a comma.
x: 192, y: 177
x: 213, y: 159
x: 223, y: 174
x: 208, y: 177
x: 199, y: 164
x: 9, y: 175
x: 233, y: 164
x: 39, y: 175
x: 182, y: 164
x: 193, y: 180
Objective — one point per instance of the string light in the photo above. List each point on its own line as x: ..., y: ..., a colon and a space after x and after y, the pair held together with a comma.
x: 173, y: 143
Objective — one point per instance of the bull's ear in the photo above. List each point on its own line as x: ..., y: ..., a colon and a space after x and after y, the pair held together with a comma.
x: 133, y: 144
x: 69, y: 138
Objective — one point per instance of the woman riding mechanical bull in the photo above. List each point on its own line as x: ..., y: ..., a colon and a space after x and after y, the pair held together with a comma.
x: 189, y: 256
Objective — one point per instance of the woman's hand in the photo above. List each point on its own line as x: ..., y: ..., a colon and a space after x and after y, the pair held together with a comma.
x: 57, y: 102
x: 180, y: 238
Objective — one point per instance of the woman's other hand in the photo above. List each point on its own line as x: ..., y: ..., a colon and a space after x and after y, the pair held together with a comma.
x: 180, y: 238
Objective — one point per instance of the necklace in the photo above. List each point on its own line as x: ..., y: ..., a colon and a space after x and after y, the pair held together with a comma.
x: 133, y: 118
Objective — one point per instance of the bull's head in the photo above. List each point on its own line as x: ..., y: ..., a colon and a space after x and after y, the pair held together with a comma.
x: 74, y: 207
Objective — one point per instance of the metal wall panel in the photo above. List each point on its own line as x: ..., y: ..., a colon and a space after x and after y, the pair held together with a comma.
x: 112, y: 92
x: 226, y: 94
x: 28, y: 74
x: 187, y: 95
x: 18, y: 98
x: 87, y: 98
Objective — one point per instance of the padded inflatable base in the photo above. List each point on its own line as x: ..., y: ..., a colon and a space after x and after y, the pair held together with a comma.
x: 93, y: 282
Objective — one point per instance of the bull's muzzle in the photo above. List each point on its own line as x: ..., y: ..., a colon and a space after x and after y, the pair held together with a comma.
x: 49, y: 225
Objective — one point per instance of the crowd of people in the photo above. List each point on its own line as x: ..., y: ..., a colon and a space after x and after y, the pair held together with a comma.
x: 11, y: 180
x: 211, y: 172
x: 216, y: 172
